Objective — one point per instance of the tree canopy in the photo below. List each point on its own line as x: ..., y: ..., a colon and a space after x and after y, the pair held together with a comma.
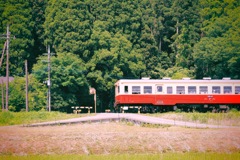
x: 98, y: 42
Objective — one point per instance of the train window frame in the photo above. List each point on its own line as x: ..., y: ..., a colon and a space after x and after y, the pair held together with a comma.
x: 180, y: 89
x: 159, y: 89
x: 237, y: 89
x: 192, y: 89
x: 216, y: 89
x: 169, y: 90
x: 125, y: 89
x: 136, y: 89
x: 147, y: 89
x: 226, y: 89
x: 203, y: 89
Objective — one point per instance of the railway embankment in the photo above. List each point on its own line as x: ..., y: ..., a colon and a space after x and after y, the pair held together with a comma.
x: 134, y: 118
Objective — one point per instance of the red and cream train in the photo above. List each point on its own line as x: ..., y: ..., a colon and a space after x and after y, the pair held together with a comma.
x: 207, y: 93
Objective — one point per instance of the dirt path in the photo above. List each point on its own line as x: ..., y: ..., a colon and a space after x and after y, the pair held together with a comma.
x: 115, y: 138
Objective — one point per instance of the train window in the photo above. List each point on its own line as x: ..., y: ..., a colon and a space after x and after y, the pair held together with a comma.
x: 180, y: 90
x: 159, y: 88
x: 192, y: 89
x: 227, y: 89
x: 125, y: 89
x: 135, y: 89
x: 203, y: 89
x: 216, y: 89
x: 237, y: 89
x: 169, y: 90
x: 147, y: 89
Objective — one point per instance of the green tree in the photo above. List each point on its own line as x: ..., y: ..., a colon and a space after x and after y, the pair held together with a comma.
x: 186, y: 16
x: 38, y: 8
x: 68, y: 26
x: 36, y: 94
x: 18, y: 15
x: 217, y: 54
x: 117, y: 60
x: 17, y: 94
x: 69, y: 86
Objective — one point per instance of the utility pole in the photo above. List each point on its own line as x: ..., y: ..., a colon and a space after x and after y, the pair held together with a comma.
x: 49, y: 79
x: 2, y: 84
x: 26, y: 74
x: 6, y: 45
x: 7, y: 66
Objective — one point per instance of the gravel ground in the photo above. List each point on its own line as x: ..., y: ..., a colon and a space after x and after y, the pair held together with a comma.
x: 115, y: 138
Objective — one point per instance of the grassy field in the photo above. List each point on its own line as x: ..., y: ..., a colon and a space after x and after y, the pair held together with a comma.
x: 118, y: 140
x: 16, y: 118
x: 165, y: 156
x: 232, y: 118
x: 115, y: 138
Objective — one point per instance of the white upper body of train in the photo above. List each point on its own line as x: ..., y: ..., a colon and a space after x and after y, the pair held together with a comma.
x: 183, y: 86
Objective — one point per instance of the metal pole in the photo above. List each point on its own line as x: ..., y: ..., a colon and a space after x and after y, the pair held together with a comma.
x: 26, y: 74
x: 49, y: 81
x: 7, y: 66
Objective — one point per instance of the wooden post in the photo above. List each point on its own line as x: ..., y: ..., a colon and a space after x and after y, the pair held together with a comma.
x: 88, y: 110
x: 26, y: 74
x: 93, y: 91
x: 95, y: 101
x: 2, y: 95
x: 139, y: 110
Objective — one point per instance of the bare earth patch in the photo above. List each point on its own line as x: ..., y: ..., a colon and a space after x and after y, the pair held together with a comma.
x: 115, y: 138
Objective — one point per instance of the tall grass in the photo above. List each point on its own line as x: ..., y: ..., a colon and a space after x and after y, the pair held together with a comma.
x: 231, y: 118
x: 164, y: 156
x: 16, y: 118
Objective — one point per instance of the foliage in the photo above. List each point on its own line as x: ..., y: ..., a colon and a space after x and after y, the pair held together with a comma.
x: 36, y: 94
x: 125, y: 39
x: 17, y: 94
x: 217, y: 53
x: 148, y: 125
x: 19, y: 18
x: 69, y: 86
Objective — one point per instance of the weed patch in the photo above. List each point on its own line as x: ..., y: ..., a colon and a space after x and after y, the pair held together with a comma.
x: 164, y: 156
x: 16, y: 118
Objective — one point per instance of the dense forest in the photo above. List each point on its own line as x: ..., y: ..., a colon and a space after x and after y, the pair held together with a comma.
x: 97, y: 42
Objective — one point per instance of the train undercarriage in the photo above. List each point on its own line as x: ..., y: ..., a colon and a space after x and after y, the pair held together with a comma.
x: 177, y: 108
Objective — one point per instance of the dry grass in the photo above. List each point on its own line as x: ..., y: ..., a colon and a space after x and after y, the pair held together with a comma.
x: 115, y: 138
x: 228, y: 119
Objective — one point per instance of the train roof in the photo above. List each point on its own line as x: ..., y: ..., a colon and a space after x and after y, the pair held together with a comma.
x: 206, y: 80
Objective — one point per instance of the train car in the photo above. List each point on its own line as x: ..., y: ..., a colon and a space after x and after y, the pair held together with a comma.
x: 167, y: 93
